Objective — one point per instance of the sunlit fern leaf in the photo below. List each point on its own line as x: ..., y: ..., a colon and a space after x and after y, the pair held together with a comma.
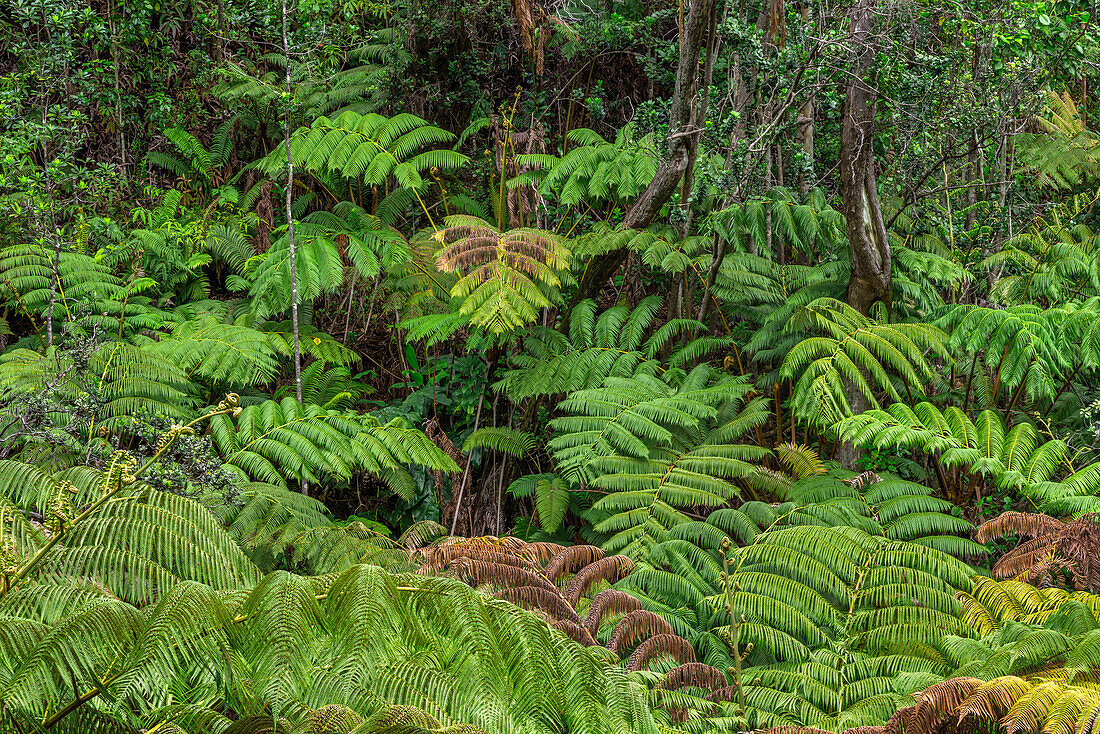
x: 506, y: 277
x: 992, y: 603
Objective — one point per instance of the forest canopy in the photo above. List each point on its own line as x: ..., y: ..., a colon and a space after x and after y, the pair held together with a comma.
x: 483, y: 367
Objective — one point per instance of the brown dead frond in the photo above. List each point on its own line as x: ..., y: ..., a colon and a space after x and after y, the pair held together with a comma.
x: 902, y: 720
x: 571, y: 560
x: 333, y: 719
x: 693, y: 675
x: 609, y: 569
x: 1032, y: 525
x: 476, y: 573
x: 476, y: 248
x: 534, y: 30
x: 608, y: 603
x: 791, y: 730
x: 439, y: 437
x: 635, y: 627
x: 537, y: 597
x: 442, y: 554
x: 941, y: 700
x: 866, y: 730
x: 574, y: 631
x: 543, y: 551
x: 1021, y: 558
x: 660, y: 646
x: 1051, y: 546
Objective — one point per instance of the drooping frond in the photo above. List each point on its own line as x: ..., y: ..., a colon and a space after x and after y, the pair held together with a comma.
x: 857, y: 353
x: 276, y: 441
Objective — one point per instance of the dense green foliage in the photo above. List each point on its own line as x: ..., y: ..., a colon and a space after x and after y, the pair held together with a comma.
x: 556, y: 368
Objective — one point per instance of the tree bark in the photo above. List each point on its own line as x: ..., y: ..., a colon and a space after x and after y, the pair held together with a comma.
x: 870, y: 248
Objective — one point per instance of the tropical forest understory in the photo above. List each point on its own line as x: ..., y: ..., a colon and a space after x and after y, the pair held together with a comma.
x: 549, y: 367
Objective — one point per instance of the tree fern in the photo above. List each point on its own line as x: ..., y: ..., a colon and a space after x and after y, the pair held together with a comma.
x: 594, y: 171
x: 27, y: 271
x: 370, y: 148
x: 220, y: 353
x: 992, y: 604
x: 1054, y: 260
x: 855, y: 354
x: 656, y: 448
x: 355, y: 643
x: 317, y: 90
x: 618, y: 342
x: 1012, y: 456
x: 1020, y: 344
x: 323, y: 241
x: 1064, y: 153
x: 806, y: 226
x: 827, y: 618
x: 120, y: 378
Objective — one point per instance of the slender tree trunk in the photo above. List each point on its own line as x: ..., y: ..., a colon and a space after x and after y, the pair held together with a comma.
x: 870, y: 248
x: 805, y: 131
x: 55, y: 279
x: 290, y: 226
